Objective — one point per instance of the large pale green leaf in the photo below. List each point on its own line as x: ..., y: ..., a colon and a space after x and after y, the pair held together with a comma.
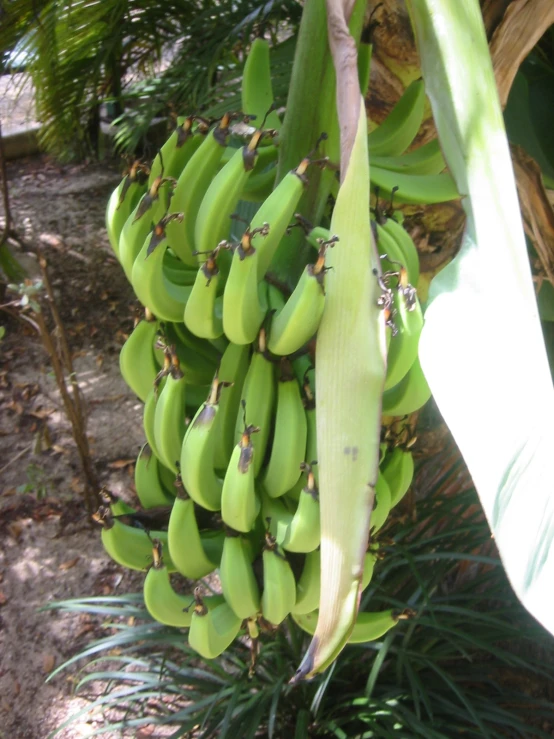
x: 482, y: 348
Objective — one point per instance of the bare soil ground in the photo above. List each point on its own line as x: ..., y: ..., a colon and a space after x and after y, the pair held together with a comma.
x: 49, y: 549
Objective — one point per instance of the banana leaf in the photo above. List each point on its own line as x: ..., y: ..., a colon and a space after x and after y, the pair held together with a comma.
x: 482, y: 349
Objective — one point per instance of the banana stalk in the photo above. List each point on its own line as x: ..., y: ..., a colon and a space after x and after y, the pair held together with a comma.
x: 349, y: 391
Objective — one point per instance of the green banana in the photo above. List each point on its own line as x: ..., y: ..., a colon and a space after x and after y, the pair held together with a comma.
x: 191, y: 188
x: 411, y: 393
x: 197, y: 453
x: 304, y: 533
x: 169, y: 418
x: 238, y: 582
x: 202, y: 314
x: 132, y: 238
x: 161, y: 601
x: 199, y: 347
x: 148, y: 485
x: 400, y: 127
x: 426, y: 159
x: 422, y: 189
x: 382, y: 504
x: 149, y: 413
x: 213, y: 627
x: 122, y: 202
x: 240, y: 504
x: 117, y: 506
x: 398, y: 470
x: 198, y: 369
x: 137, y: 362
x: 410, y: 257
x: 213, y: 223
x: 309, y: 584
x: 277, y: 210
x: 152, y: 287
x: 402, y: 351
x: 368, y: 626
x: 279, y: 591
x: 244, y: 302
x: 232, y: 370
x: 257, y: 91
x: 188, y: 547
x: 258, y: 396
x: 392, y: 256
x: 297, y: 322
x: 178, y: 149
x: 130, y: 546
x: 288, y: 448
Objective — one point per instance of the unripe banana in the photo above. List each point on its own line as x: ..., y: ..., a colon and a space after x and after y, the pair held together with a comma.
x: 240, y: 504
x: 424, y: 189
x: 368, y: 626
x: 400, y: 127
x: 165, y: 299
x: 186, y: 544
x: 410, y: 256
x: 233, y: 369
x: 238, y: 582
x: 426, y: 159
x: 279, y: 593
x: 309, y: 584
x: 198, y: 451
x: 202, y: 313
x: 169, y: 419
x: 382, y: 504
x: 244, y: 301
x: 177, y: 150
x: 198, y: 369
x: 213, y: 223
x: 258, y: 396
x: 398, y: 470
x: 132, y: 238
x: 161, y: 601
x: 191, y: 188
x: 137, y: 362
x: 148, y: 485
x: 214, y: 626
x: 122, y: 202
x: 304, y: 533
x: 411, y: 393
x: 182, y: 337
x: 130, y: 546
x: 297, y: 322
x: 149, y: 413
x: 277, y: 210
x: 257, y: 91
x: 289, y: 439
x: 403, y: 346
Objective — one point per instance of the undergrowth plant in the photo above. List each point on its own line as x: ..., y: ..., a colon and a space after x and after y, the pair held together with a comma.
x: 472, y: 663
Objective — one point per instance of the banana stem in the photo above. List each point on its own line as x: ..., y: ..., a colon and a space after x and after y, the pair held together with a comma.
x: 313, y: 69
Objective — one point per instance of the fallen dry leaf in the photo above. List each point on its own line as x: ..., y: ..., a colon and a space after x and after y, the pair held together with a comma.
x: 67, y: 565
x: 120, y: 464
x: 3, y: 598
x: 99, y: 360
x: 15, y: 529
x: 48, y: 663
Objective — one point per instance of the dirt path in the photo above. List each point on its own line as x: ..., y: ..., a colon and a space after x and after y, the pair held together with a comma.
x: 49, y: 551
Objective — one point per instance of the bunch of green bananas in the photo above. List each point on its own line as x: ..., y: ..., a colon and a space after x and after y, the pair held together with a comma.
x: 228, y: 479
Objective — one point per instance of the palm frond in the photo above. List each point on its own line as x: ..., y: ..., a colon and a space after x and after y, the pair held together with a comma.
x: 142, y: 58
